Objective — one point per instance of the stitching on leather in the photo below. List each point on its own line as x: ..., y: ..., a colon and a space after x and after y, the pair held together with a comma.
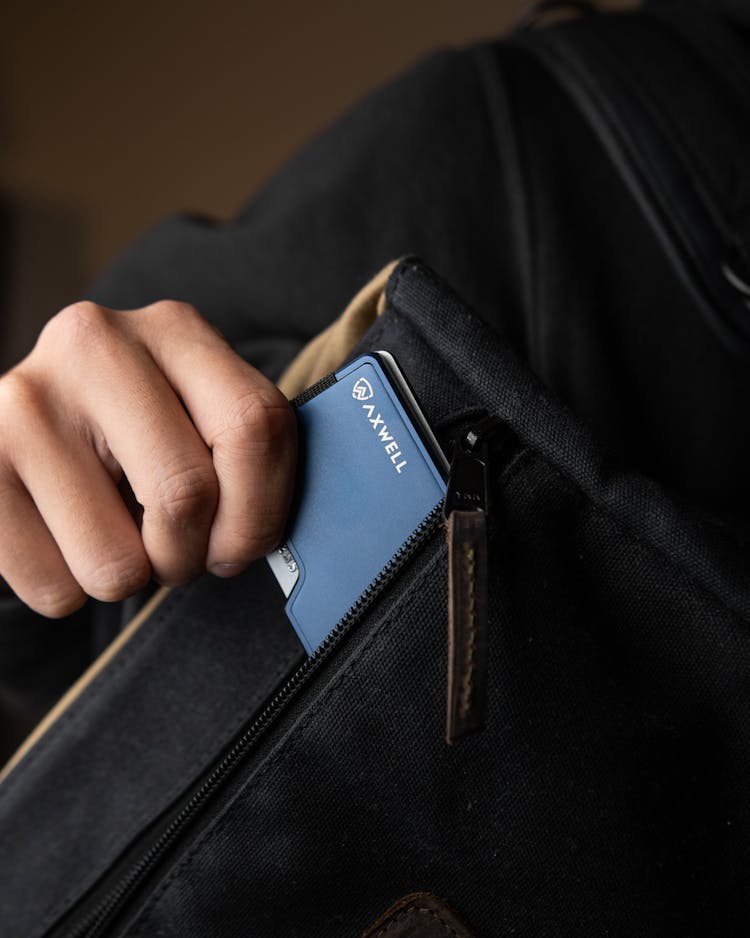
x: 421, y: 910
x: 471, y: 639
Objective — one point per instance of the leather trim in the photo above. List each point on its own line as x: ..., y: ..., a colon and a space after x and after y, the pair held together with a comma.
x: 419, y: 915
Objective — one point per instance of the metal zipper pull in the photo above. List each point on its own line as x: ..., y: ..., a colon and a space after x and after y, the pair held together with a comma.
x: 465, y: 510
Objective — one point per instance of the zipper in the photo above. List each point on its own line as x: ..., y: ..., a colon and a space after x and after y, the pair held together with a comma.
x: 466, y: 494
x: 112, y: 903
x: 466, y: 510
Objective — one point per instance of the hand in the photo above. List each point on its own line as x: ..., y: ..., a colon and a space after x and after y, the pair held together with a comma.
x: 207, y: 444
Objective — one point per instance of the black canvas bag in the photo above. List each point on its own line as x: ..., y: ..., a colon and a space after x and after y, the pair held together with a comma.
x: 610, y: 777
x: 203, y: 785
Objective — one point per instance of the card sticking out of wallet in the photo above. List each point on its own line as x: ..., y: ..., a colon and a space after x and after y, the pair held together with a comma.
x: 370, y: 471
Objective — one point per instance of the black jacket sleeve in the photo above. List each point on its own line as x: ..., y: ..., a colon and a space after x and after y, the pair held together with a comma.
x: 415, y: 168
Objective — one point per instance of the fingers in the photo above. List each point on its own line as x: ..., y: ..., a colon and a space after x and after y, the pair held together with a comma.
x: 166, y: 462
x: 32, y: 563
x: 245, y: 422
x: 206, y: 443
x: 70, y: 532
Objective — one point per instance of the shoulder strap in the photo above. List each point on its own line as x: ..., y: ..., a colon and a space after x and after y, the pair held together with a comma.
x: 666, y: 92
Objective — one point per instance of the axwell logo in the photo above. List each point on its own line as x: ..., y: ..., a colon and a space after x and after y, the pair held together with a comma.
x: 362, y: 391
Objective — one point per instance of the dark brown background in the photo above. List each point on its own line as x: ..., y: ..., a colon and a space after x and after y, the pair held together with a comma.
x: 114, y: 115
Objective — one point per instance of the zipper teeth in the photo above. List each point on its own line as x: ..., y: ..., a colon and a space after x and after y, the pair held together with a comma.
x: 92, y: 925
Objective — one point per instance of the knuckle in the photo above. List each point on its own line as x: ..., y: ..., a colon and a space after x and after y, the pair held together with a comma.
x: 117, y: 577
x: 187, y: 495
x: 174, y: 310
x: 78, y: 326
x: 258, y: 421
x: 20, y: 395
x: 23, y: 409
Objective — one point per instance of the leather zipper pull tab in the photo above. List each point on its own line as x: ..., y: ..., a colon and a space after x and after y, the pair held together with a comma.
x: 466, y: 510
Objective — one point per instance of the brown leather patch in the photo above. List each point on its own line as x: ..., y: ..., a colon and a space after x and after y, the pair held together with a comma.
x: 419, y: 915
x: 467, y: 623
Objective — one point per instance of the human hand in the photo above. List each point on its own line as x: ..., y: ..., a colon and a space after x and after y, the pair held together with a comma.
x: 207, y: 444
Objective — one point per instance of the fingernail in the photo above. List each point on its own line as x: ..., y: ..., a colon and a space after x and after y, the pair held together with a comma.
x: 225, y: 569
